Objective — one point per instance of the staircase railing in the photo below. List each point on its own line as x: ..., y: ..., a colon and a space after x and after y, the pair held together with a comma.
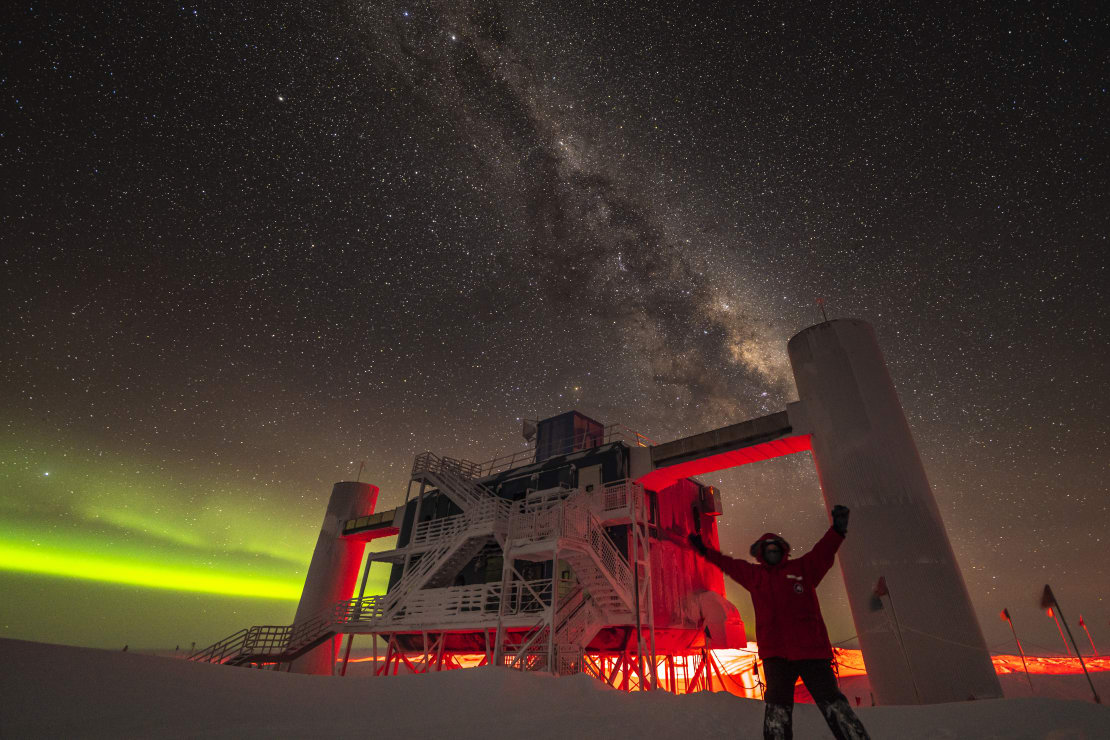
x: 526, y: 597
x: 570, y: 661
x: 578, y: 440
x: 530, y: 653
x: 455, y: 477
x: 417, y: 572
x: 432, y: 463
x: 438, y: 529
x: 572, y: 520
x: 492, y: 511
x: 221, y: 651
x: 619, y: 499
x: 582, y: 525
x: 267, y: 641
x: 355, y: 611
x: 574, y: 621
x: 454, y: 603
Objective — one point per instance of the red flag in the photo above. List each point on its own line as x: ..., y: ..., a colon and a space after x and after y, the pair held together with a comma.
x: 1081, y: 622
x: 880, y: 587
x: 1048, y: 611
x: 1005, y: 615
x: 1047, y: 599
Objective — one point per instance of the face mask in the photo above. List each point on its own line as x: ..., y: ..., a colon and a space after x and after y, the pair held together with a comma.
x: 772, y: 555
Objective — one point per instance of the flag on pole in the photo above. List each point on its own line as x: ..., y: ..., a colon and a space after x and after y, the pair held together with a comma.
x: 1025, y: 666
x: 1047, y: 598
x: 880, y: 587
x: 1081, y: 622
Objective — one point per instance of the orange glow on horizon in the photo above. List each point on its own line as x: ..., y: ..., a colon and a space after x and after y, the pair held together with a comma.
x: 738, y: 668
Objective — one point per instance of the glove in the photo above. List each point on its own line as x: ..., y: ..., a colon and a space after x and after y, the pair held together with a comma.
x: 840, y: 519
x: 697, y: 544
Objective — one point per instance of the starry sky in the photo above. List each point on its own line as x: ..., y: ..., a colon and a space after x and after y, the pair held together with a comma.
x: 246, y: 248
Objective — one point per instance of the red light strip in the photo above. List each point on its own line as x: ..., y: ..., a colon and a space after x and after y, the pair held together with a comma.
x: 662, y: 477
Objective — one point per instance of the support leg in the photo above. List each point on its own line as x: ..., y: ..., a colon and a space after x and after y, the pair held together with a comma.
x: 347, y: 655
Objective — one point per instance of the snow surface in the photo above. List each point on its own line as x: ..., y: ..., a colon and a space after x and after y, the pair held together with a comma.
x: 57, y: 691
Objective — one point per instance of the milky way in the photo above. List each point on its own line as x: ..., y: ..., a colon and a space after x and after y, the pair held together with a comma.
x: 596, y: 243
x: 246, y: 251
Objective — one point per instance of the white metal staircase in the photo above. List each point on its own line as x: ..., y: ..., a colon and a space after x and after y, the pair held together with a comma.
x: 454, y: 478
x: 444, y: 547
x: 542, y: 624
x: 571, y: 527
x: 439, y: 549
x: 272, y: 643
x: 565, y: 525
x: 577, y: 621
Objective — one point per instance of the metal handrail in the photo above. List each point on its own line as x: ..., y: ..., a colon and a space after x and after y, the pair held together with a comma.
x: 572, y: 520
x: 580, y: 523
x: 456, y: 478
x: 221, y: 650
x: 436, y: 529
x: 508, y: 461
x: 488, y: 510
x: 624, y: 495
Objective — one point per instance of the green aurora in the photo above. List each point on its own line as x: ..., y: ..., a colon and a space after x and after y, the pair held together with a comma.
x: 94, y: 544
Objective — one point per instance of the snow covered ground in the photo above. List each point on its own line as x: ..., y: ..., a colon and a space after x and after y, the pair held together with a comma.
x: 66, y: 692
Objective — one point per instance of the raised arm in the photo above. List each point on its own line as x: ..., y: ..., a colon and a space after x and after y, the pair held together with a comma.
x: 740, y: 571
x: 817, y: 561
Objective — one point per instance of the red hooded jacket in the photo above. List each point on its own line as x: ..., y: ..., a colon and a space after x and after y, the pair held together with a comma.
x: 788, y: 621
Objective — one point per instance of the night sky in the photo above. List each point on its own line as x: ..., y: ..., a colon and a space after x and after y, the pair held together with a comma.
x: 247, y: 246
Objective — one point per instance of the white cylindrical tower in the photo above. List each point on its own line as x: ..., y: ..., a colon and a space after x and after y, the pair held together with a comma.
x: 926, y: 646
x: 334, y: 568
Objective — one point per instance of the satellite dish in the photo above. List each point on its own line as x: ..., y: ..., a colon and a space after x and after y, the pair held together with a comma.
x: 529, y: 430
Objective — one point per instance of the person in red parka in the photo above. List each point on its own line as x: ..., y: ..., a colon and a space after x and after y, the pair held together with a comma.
x: 791, y: 634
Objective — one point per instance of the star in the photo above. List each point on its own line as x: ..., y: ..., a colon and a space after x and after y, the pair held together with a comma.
x: 439, y: 237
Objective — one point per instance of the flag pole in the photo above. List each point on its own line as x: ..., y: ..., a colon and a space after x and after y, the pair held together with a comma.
x: 1052, y: 613
x: 1021, y: 651
x: 1089, y: 638
x: 882, y: 589
x: 1049, y: 596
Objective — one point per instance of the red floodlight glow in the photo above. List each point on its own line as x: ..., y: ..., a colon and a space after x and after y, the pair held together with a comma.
x: 662, y: 477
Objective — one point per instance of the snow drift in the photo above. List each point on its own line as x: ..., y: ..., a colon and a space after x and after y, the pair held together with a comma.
x: 56, y: 691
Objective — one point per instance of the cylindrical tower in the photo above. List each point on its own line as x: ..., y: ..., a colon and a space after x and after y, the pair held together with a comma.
x: 334, y: 568
x: 932, y: 650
